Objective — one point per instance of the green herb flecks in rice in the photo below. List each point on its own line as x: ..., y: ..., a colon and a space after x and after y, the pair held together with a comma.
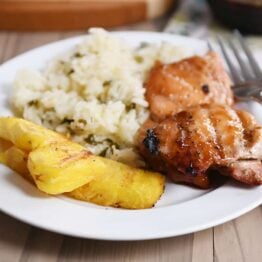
x: 95, y: 94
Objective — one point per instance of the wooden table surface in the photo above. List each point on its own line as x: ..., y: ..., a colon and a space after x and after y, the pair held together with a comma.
x: 236, y: 241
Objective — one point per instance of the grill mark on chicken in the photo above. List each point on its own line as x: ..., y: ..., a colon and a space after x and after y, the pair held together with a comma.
x: 229, y: 130
x: 203, y: 138
x: 252, y: 134
x: 195, y: 133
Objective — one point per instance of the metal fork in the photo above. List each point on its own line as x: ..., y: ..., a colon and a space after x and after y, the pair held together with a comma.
x: 247, y: 76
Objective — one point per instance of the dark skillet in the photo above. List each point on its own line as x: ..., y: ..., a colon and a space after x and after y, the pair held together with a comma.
x: 243, y: 15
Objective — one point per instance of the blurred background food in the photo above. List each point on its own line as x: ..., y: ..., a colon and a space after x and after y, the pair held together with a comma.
x: 205, y: 19
x: 42, y: 15
x: 246, y: 15
x: 78, y: 14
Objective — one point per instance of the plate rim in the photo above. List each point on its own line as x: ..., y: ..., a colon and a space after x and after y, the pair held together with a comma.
x: 150, y: 235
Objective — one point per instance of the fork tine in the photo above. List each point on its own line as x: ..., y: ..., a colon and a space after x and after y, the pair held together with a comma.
x: 209, y: 46
x: 235, y: 75
x: 244, y: 69
x: 249, y: 55
x: 247, y: 94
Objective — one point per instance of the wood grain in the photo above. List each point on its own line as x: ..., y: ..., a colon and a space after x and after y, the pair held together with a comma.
x: 77, y: 14
x: 13, y: 235
x: 248, y: 228
x: 203, y: 246
x: 41, y: 246
x: 226, y: 243
x: 238, y: 240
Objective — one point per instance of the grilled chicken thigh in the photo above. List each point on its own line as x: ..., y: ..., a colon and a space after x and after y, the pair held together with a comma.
x: 194, y: 143
x: 172, y: 88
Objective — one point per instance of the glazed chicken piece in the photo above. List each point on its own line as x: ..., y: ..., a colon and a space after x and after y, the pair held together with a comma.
x: 194, y: 144
x: 172, y: 88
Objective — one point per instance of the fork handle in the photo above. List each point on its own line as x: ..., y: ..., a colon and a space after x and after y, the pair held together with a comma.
x: 256, y: 97
x: 250, y: 84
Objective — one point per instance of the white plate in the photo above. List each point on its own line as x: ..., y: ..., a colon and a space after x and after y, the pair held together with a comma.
x: 181, y: 210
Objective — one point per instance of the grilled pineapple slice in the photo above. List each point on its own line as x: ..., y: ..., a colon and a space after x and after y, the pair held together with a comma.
x: 58, y: 165
x: 121, y: 186
x: 14, y: 158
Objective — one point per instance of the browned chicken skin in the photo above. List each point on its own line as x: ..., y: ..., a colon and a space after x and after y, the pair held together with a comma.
x: 197, y: 80
x: 192, y: 143
x: 193, y: 133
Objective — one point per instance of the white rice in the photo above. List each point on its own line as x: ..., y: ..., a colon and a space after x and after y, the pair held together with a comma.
x: 95, y: 94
